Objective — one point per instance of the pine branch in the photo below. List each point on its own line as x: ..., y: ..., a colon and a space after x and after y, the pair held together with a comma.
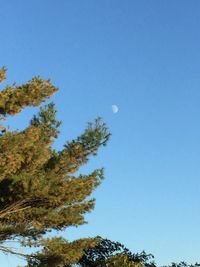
x: 13, y: 252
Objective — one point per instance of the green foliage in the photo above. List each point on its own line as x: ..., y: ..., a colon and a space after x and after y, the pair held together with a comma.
x: 14, y: 98
x: 58, y: 251
x: 107, y: 253
x: 2, y: 74
x: 39, y: 188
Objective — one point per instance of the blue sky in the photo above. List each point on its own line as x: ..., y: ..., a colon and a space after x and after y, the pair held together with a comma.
x: 143, y: 56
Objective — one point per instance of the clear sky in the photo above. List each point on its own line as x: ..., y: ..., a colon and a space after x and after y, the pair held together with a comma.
x: 143, y: 56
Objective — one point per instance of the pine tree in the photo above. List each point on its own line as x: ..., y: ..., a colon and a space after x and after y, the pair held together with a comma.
x: 39, y: 188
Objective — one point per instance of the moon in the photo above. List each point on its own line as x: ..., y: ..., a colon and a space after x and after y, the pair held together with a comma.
x: 115, y: 108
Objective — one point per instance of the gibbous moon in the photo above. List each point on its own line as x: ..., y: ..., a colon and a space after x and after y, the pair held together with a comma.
x: 115, y: 108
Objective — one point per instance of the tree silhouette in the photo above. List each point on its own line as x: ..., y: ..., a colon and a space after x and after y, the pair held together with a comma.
x: 107, y: 253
